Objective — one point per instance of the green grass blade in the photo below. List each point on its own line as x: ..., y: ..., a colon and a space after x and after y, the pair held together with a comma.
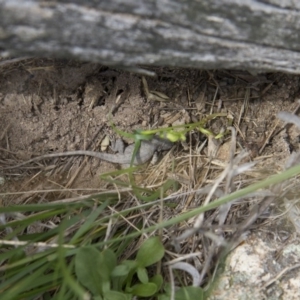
x: 88, y: 223
x: 24, y: 284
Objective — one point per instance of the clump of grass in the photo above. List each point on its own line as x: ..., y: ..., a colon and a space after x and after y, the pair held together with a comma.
x: 140, y: 237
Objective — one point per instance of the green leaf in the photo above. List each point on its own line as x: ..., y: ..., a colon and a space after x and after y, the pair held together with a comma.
x: 132, y: 265
x: 114, y: 295
x: 120, y: 275
x: 150, y: 252
x: 158, y: 281
x: 163, y: 297
x: 107, y: 262
x: 189, y: 293
x: 87, y: 270
x: 144, y: 289
x: 120, y: 270
x: 142, y: 275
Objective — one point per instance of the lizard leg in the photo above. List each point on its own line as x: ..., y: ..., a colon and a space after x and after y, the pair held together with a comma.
x: 155, y: 158
x: 118, y: 146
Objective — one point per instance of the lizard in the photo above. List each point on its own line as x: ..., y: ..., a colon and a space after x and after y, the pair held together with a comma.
x: 144, y: 153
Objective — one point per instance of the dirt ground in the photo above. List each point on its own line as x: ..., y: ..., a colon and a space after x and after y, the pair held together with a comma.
x: 49, y: 106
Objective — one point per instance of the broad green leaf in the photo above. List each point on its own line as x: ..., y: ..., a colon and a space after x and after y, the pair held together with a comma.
x: 144, y: 289
x: 114, y: 295
x: 189, y: 293
x: 157, y: 280
x: 105, y: 286
x: 120, y: 270
x: 163, y: 297
x: 150, y: 252
x: 142, y: 275
x: 119, y: 276
x: 87, y: 270
x: 107, y: 262
x: 167, y: 288
x: 132, y: 265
